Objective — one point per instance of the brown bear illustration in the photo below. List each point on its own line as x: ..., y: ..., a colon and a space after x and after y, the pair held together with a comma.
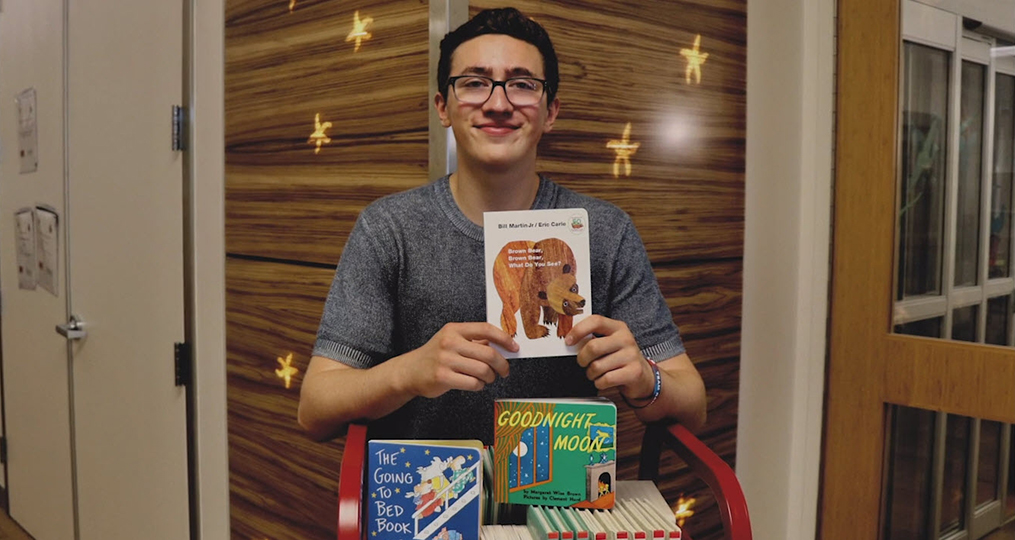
x: 537, y: 275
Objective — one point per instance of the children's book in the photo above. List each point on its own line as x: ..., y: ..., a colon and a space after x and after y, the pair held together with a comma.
x: 555, y: 452
x: 423, y: 490
x: 538, y: 283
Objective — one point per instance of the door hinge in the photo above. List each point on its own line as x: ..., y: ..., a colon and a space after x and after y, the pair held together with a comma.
x: 3, y: 450
x: 179, y: 128
x: 183, y: 359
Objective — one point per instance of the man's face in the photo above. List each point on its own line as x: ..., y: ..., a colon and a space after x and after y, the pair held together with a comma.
x: 497, y: 134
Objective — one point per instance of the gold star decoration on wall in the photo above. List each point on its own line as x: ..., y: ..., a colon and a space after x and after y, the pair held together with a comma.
x: 683, y: 510
x: 359, y: 30
x: 624, y: 149
x: 287, y: 370
x: 319, y: 136
x: 695, y: 58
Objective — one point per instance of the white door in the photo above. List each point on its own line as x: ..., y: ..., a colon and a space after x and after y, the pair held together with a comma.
x: 35, y: 361
x: 110, y: 398
x: 126, y: 268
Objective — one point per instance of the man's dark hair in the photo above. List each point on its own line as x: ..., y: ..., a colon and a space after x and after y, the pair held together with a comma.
x: 508, y: 22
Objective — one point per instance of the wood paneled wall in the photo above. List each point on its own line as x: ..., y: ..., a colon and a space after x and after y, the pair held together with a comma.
x: 283, y: 199
x: 289, y: 209
x: 282, y: 484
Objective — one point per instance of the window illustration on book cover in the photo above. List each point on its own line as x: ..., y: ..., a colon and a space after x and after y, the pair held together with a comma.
x: 555, y: 452
x: 538, y: 282
x: 423, y: 490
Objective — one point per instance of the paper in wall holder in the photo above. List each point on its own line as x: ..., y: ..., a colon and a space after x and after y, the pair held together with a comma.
x: 24, y: 230
x: 47, y: 246
x: 28, y: 133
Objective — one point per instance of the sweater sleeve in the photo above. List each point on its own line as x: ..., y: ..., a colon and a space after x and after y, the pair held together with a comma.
x: 637, y: 300
x: 359, y: 314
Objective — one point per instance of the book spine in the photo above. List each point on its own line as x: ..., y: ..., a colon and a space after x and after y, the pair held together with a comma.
x: 539, y: 526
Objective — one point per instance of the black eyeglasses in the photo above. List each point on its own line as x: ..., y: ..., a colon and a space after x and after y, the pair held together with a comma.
x: 520, y: 91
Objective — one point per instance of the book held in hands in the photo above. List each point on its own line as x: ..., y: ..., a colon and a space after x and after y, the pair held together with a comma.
x: 538, y: 282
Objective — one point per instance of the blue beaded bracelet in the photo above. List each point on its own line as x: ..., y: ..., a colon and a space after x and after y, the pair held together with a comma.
x: 655, y: 392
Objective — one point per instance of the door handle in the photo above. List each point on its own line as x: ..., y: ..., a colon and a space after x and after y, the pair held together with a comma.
x: 74, y: 329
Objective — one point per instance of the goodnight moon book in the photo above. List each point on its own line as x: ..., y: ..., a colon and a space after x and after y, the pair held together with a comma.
x: 555, y: 452
x: 538, y: 282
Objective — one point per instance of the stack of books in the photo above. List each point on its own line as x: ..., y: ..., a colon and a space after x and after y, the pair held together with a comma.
x: 640, y: 513
x: 551, y: 475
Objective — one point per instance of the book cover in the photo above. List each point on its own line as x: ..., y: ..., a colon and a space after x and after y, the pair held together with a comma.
x: 538, y: 283
x: 555, y: 452
x: 424, y: 490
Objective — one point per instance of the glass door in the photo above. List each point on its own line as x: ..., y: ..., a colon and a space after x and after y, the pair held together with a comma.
x: 920, y: 396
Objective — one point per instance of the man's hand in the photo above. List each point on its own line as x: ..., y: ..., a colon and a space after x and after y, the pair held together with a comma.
x: 611, y: 357
x: 458, y: 357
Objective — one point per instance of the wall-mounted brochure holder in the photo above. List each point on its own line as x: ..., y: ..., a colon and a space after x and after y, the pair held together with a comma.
x: 24, y: 227
x: 28, y: 133
x: 38, y: 244
x: 47, y: 248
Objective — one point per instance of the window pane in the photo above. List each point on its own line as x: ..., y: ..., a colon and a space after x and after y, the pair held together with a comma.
x: 967, y: 233
x: 998, y: 310
x: 924, y: 328
x: 1000, y: 190
x: 964, y: 323
x: 953, y: 493
x: 909, y: 468
x: 921, y: 206
x: 990, y: 454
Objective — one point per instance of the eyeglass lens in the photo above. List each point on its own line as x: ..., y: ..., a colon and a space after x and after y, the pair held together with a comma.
x: 520, y: 91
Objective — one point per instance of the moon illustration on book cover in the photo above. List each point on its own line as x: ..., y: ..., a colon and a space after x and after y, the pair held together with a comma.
x: 537, y: 277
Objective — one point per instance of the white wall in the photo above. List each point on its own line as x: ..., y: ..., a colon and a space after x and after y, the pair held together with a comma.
x: 996, y: 14
x: 790, y: 61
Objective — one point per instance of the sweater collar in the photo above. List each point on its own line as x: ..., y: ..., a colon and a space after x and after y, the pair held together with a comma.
x: 546, y: 197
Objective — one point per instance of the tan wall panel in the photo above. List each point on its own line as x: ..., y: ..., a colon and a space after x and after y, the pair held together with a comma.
x: 284, y: 200
x: 282, y: 485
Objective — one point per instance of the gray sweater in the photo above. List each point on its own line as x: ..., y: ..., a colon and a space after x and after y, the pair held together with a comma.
x: 414, y: 262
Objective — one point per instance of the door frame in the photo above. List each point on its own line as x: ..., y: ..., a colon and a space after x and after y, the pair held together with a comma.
x: 869, y: 367
x: 206, y: 271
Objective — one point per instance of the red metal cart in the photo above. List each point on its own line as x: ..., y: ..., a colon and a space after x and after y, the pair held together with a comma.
x: 706, y: 464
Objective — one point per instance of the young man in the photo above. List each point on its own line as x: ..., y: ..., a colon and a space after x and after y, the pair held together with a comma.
x: 400, y: 343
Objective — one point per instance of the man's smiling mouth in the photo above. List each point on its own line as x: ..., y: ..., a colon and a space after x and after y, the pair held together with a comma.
x: 496, y: 129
